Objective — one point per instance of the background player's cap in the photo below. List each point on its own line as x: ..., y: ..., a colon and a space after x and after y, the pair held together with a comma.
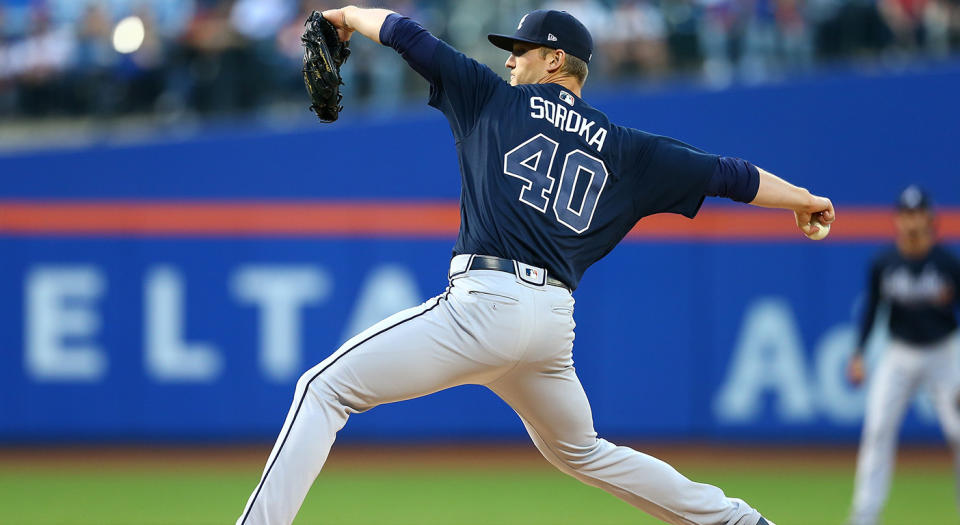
x: 913, y: 198
x: 553, y: 29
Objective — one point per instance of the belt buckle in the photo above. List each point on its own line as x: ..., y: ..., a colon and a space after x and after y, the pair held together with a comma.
x: 530, y: 274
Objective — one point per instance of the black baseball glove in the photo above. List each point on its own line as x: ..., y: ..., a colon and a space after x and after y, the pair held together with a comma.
x: 323, y: 54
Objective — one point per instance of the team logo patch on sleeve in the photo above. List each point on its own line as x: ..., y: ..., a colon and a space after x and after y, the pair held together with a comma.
x: 566, y: 97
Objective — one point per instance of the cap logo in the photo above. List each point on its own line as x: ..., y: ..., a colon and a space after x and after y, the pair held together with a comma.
x: 522, y: 20
x: 551, y: 38
x: 912, y: 197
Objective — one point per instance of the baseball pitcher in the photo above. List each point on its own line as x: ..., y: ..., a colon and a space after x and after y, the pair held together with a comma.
x: 549, y: 186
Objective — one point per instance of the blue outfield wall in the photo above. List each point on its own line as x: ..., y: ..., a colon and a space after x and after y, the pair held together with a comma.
x: 124, y: 338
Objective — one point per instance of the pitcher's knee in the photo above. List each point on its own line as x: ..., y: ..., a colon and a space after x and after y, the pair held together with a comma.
x: 579, y: 457
x: 335, y: 393
x: 312, y: 385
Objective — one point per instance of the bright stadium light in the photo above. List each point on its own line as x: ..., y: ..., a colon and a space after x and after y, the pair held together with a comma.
x: 128, y: 35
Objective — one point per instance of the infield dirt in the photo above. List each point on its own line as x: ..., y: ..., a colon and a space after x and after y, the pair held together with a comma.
x: 444, y: 455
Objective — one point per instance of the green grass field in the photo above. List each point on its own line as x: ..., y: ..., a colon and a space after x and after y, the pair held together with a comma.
x: 474, y: 494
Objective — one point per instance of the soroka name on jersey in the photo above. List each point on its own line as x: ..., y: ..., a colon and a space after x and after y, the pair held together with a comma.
x: 568, y: 120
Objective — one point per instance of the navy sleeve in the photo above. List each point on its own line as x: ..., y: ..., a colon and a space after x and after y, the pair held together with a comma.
x: 735, y: 179
x: 459, y: 85
x: 870, y: 307
x: 414, y: 43
x: 676, y: 177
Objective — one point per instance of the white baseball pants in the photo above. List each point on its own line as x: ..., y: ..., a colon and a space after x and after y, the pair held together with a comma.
x: 489, y: 328
x: 902, y: 370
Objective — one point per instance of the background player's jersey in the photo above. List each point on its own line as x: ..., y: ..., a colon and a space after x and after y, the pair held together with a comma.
x: 922, y: 295
x: 547, y: 179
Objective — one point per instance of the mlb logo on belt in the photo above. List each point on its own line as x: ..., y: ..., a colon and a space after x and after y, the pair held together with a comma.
x: 531, y: 274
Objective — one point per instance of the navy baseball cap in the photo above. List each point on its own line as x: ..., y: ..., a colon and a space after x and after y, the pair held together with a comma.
x: 913, y: 198
x: 553, y: 29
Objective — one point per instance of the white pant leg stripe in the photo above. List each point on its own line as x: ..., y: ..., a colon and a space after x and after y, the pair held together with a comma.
x: 324, y: 365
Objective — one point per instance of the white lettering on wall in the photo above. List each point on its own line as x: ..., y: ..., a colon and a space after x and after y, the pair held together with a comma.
x: 745, y: 388
x: 63, y: 339
x: 280, y: 292
x: 838, y: 399
x: 387, y: 290
x: 60, y: 323
x: 767, y: 359
x: 169, y: 358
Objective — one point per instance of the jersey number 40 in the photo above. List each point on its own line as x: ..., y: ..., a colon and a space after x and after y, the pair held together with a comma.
x: 533, y: 162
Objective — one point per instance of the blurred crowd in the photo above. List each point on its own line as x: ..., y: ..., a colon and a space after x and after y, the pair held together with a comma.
x: 201, y: 57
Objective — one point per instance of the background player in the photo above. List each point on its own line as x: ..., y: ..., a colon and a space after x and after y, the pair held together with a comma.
x: 549, y: 186
x: 919, y: 281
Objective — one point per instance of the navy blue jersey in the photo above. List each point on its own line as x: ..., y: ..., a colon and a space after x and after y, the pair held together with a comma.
x: 922, y: 295
x: 547, y: 179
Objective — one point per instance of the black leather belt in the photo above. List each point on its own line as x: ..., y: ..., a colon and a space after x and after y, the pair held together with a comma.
x: 489, y: 262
